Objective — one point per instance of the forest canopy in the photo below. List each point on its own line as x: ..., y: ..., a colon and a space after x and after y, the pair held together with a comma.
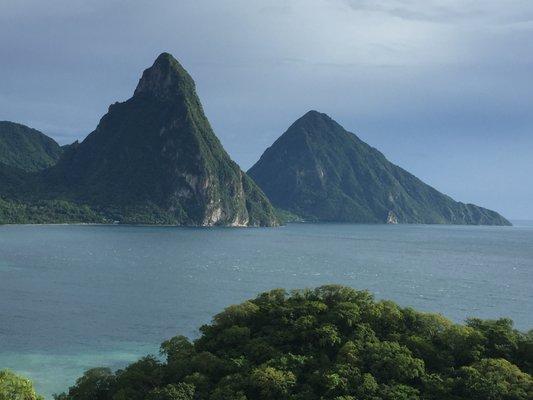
x: 332, y: 342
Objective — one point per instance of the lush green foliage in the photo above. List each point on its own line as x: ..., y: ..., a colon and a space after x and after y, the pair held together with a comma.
x: 286, y: 216
x: 319, y: 171
x: 48, y: 212
x: 25, y: 148
x: 152, y: 159
x: 13, y: 387
x: 329, y: 343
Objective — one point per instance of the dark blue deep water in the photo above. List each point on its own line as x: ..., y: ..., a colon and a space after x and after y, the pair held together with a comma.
x: 75, y: 297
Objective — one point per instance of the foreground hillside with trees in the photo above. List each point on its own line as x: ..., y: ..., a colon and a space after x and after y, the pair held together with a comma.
x: 332, y: 342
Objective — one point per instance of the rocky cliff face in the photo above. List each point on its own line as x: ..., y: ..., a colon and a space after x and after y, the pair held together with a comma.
x: 319, y: 171
x: 391, y: 218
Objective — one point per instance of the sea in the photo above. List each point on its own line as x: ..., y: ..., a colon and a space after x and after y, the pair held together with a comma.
x: 74, y: 297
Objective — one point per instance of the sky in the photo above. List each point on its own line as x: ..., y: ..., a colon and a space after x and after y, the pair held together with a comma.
x: 443, y: 88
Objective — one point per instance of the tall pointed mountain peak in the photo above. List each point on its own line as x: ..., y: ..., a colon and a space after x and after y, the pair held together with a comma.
x: 154, y: 158
x: 166, y: 77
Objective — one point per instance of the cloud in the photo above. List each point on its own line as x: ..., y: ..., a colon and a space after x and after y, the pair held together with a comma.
x: 451, y: 11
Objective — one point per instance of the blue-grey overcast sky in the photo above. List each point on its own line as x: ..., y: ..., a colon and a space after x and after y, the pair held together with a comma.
x: 444, y: 88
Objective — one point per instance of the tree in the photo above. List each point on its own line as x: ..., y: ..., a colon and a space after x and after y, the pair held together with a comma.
x: 95, y: 384
x: 14, y: 387
x: 180, y: 391
x: 494, y: 379
x: 271, y: 383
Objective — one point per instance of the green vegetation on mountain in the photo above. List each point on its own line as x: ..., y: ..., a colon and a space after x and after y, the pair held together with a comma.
x: 26, y: 148
x: 47, y: 212
x: 329, y: 343
x: 320, y: 171
x: 152, y: 159
x: 14, y: 387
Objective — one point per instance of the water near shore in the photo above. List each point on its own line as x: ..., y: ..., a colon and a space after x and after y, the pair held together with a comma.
x: 75, y: 297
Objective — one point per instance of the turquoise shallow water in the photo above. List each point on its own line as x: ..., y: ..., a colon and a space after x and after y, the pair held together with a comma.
x: 75, y: 297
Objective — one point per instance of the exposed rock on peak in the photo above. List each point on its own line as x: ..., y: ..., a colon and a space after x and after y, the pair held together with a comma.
x: 166, y: 77
x: 313, y: 114
x: 312, y: 119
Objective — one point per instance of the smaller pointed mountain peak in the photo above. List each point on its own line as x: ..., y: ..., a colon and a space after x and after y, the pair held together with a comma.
x: 314, y: 120
x: 313, y: 114
x: 165, y: 78
x: 314, y: 117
